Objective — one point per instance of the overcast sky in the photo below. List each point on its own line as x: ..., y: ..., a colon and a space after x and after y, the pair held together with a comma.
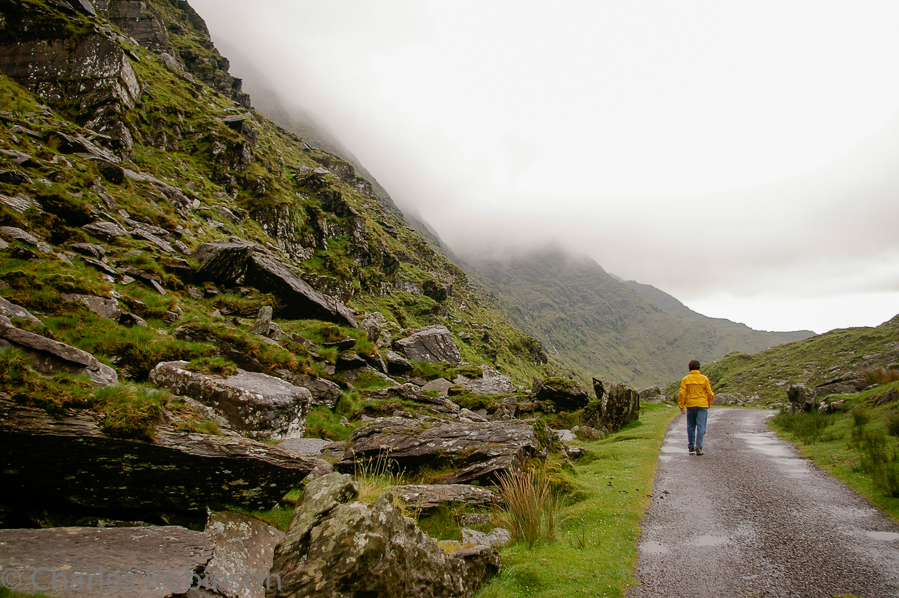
x: 741, y: 156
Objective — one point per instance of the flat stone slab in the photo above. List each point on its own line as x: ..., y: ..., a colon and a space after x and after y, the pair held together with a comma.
x: 139, y: 562
x: 50, y: 356
x: 427, y: 498
x: 306, y: 446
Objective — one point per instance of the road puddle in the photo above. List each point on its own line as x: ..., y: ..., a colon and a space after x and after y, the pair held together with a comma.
x: 885, y: 536
x: 669, y: 447
x: 653, y: 548
x: 767, y: 445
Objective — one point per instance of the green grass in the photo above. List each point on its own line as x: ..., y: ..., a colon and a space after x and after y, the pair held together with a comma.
x: 216, y: 366
x: 321, y: 422
x: 128, y: 411
x: 856, y: 447
x: 370, y: 381
x: 596, y: 549
x: 7, y: 593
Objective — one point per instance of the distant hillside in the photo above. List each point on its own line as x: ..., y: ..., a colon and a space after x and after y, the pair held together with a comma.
x: 670, y: 305
x: 623, y: 331
x: 831, y: 356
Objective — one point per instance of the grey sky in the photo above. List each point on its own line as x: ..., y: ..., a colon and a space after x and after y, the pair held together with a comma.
x: 740, y: 156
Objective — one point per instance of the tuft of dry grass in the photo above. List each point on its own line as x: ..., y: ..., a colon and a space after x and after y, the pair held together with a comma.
x: 375, y: 476
x: 533, y: 510
x: 881, y: 375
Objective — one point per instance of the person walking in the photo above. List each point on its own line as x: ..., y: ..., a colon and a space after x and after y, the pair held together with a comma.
x: 696, y: 395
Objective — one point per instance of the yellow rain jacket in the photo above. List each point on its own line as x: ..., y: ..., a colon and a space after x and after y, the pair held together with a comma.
x: 695, y: 391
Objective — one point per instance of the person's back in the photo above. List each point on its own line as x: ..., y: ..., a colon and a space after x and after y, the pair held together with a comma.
x: 696, y: 396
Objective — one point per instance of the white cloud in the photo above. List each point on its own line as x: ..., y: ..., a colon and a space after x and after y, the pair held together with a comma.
x: 756, y: 141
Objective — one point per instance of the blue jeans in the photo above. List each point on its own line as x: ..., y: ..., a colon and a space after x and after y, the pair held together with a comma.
x: 696, y: 419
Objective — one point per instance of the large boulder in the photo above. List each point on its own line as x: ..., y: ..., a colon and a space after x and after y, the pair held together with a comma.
x: 299, y: 300
x: 564, y: 394
x: 473, y: 451
x: 140, y: 562
x: 68, y: 463
x: 652, y: 394
x: 397, y: 364
x: 426, y: 498
x: 50, y: 356
x: 258, y: 405
x: 92, y: 67
x: 324, y: 392
x: 619, y: 408
x: 802, y: 398
x: 354, y: 550
x: 431, y: 344
x: 843, y: 385
x: 222, y: 263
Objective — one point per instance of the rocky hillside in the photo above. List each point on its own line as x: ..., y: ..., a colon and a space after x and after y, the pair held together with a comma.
x: 624, y: 331
x: 154, y: 135
x: 200, y: 313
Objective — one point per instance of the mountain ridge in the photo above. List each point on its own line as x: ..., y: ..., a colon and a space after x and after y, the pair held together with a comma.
x: 609, y: 328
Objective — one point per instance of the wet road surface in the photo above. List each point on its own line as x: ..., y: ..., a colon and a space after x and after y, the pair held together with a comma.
x: 752, y: 518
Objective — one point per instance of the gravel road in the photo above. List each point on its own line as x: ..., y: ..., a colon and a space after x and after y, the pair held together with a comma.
x: 752, y: 518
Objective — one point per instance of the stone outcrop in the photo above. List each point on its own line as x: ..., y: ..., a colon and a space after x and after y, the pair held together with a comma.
x: 475, y: 451
x: 105, y: 230
x: 340, y: 548
x: 141, y: 23
x: 397, y: 364
x: 222, y: 263
x: 140, y: 562
x: 263, y: 322
x: 69, y: 463
x: 104, y: 307
x: 564, y: 394
x: 11, y: 310
x: 258, y: 405
x: 652, y: 394
x: 244, y: 546
x: 93, y: 68
x: 802, y: 398
x: 229, y: 263
x: 431, y: 344
x: 497, y: 537
x: 490, y: 383
x: 324, y: 392
x: 729, y: 399
x: 439, y: 385
x: 411, y: 392
x: 426, y: 498
x: 619, y: 408
x: 843, y: 385
x: 299, y: 300
x: 49, y: 356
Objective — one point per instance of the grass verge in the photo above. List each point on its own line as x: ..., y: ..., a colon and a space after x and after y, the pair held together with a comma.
x: 856, y: 447
x: 596, y: 549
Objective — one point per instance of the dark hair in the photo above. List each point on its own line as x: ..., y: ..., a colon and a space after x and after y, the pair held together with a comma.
x: 694, y: 365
